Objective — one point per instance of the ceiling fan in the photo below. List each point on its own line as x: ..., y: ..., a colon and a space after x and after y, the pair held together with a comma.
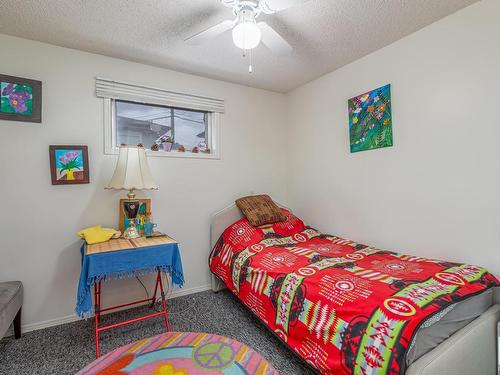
x: 247, y: 33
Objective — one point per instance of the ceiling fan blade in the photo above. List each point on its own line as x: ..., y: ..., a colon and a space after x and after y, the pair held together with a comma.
x: 274, y: 41
x: 273, y: 6
x: 210, y: 33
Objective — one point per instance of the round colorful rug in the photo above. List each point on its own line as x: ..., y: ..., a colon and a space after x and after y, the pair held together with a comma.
x: 176, y: 353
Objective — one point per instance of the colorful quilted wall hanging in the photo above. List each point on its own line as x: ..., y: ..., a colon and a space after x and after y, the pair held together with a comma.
x: 370, y: 120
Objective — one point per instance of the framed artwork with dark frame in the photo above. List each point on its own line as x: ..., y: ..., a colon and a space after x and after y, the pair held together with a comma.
x: 69, y: 165
x: 20, y: 99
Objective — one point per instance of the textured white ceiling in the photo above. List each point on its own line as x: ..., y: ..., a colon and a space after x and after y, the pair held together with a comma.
x: 325, y: 34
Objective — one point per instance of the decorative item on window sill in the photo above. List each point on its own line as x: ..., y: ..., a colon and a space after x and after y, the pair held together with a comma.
x: 132, y: 173
x: 165, y: 143
x: 202, y: 147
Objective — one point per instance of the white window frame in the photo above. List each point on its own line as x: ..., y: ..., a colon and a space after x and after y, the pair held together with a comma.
x: 213, y: 136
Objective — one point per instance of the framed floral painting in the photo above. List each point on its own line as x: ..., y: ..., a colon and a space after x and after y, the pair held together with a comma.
x: 69, y: 165
x: 20, y: 99
x: 370, y: 120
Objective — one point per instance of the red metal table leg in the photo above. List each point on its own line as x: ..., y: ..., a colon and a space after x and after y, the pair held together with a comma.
x: 153, y: 299
x: 163, y: 302
x: 97, y: 307
x: 98, y: 310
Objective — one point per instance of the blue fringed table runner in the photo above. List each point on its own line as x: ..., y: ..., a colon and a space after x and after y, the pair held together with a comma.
x: 125, y: 263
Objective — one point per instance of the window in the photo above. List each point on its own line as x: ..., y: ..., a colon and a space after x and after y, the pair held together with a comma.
x: 160, y: 124
x: 162, y: 129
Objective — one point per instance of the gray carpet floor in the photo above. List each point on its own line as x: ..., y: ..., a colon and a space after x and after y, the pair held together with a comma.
x: 68, y: 348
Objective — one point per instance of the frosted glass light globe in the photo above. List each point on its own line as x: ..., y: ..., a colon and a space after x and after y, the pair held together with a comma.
x: 246, y: 35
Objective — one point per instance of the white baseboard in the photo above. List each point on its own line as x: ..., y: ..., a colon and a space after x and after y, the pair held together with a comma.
x: 186, y: 291
x: 73, y: 318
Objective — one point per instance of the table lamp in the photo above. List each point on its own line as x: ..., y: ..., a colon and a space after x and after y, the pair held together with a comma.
x: 132, y: 173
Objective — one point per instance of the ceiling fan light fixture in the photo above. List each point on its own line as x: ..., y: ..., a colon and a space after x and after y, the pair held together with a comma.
x: 247, y: 35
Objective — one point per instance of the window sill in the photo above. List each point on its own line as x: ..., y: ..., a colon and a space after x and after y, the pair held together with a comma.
x: 175, y: 154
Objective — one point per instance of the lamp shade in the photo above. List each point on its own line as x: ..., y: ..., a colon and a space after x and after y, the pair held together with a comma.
x: 132, y: 170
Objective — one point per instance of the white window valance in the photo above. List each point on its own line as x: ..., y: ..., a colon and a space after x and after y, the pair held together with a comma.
x: 111, y: 89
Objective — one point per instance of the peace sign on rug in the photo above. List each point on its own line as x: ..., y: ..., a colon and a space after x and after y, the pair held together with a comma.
x: 214, y: 355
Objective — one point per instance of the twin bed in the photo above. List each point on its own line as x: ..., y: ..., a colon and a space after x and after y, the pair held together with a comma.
x: 347, y: 308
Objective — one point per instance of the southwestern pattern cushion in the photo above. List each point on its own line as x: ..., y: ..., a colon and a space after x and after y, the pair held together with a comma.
x: 260, y: 210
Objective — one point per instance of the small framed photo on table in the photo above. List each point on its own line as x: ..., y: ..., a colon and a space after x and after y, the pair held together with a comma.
x: 69, y: 165
x: 143, y: 209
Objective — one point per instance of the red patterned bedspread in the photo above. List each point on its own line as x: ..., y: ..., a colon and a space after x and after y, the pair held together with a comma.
x: 344, y: 307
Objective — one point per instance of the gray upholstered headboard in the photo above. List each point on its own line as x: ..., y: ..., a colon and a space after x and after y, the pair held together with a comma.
x: 220, y: 221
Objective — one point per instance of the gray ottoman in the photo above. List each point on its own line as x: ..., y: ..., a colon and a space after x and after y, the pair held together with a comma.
x: 11, y: 301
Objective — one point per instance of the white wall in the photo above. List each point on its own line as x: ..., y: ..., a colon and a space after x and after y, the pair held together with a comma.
x: 38, y: 244
x: 436, y: 192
